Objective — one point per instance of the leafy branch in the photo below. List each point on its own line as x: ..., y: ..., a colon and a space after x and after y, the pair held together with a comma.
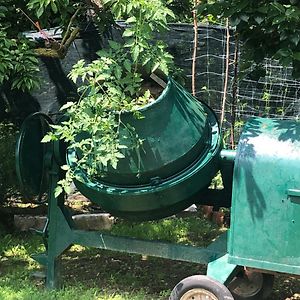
x: 110, y: 86
x: 267, y: 28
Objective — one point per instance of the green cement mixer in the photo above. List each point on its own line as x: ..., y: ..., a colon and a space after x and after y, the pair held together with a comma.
x: 182, y: 154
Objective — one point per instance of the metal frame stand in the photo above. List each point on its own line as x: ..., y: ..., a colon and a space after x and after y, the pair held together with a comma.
x: 60, y: 233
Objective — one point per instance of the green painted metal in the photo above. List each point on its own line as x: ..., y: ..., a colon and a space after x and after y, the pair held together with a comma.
x: 228, y: 155
x: 222, y: 271
x: 182, y: 146
x: 265, y: 215
x: 61, y: 233
x: 58, y: 231
x: 175, y: 116
x: 151, y: 248
x: 32, y: 172
x: 293, y: 193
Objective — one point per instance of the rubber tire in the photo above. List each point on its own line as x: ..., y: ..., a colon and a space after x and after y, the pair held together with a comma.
x: 201, y: 281
x: 265, y: 291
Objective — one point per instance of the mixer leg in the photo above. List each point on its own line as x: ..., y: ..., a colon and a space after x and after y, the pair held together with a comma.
x: 59, y: 237
x: 52, y: 273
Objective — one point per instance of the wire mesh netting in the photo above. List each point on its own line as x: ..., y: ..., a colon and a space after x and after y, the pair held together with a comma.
x: 274, y: 95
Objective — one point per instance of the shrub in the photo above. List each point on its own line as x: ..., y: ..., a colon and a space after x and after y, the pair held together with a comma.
x: 7, y: 161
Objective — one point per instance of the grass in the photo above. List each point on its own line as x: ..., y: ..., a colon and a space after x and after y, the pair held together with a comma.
x: 92, y: 274
x: 191, y: 230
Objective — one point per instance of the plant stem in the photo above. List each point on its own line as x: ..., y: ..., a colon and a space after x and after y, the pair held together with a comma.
x: 226, y: 73
x: 69, y: 26
x: 234, y: 91
x: 196, y: 2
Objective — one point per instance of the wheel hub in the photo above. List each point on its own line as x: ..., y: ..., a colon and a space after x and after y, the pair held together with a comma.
x: 198, y: 294
x: 249, y: 285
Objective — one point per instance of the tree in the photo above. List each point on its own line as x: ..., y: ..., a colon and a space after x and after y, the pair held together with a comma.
x: 18, y: 55
x: 267, y: 28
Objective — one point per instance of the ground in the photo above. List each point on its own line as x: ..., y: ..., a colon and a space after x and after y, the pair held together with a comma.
x: 100, y: 274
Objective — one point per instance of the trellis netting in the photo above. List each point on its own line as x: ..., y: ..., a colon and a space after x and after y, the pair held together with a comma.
x: 274, y: 95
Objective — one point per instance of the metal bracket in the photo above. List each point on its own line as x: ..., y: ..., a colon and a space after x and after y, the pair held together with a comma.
x: 221, y: 270
x: 294, y: 195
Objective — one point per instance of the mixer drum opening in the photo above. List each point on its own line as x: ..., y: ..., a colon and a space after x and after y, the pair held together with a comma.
x: 180, y: 157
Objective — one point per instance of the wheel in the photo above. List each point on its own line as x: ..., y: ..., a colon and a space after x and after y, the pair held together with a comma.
x: 200, y: 287
x: 251, y: 286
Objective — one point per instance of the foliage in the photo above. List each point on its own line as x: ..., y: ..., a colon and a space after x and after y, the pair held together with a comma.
x: 145, y: 19
x: 93, y: 124
x: 19, y: 64
x: 52, y: 13
x: 11, y: 18
x: 182, y: 9
x: 110, y: 86
x: 267, y: 28
x: 7, y: 160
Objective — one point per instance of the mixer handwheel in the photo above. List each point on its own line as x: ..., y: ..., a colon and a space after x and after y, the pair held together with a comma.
x: 200, y: 287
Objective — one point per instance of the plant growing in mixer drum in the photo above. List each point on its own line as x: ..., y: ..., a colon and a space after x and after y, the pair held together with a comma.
x: 111, y: 85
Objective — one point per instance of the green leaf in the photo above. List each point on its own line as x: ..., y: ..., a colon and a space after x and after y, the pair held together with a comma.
x: 258, y: 19
x: 114, y: 45
x: 295, y: 38
x: 129, y: 8
x: 128, y: 33
x: 235, y: 20
x: 40, y: 11
x: 127, y: 65
x: 129, y: 43
x: 119, y: 155
x: 67, y: 189
x: 263, y: 9
x: 285, y: 52
x: 58, y: 190
x: 46, y: 139
x: 54, y: 7
x: 279, y: 7
x: 118, y: 73
x: 244, y: 17
x: 65, y: 167
x: 131, y: 20
x: 67, y: 105
x: 135, y: 52
x: 114, y: 164
x: 296, y: 55
x: 155, y: 67
x: 279, y: 19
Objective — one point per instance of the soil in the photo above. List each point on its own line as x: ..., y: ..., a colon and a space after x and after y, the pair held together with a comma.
x: 154, y: 88
x: 153, y: 274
